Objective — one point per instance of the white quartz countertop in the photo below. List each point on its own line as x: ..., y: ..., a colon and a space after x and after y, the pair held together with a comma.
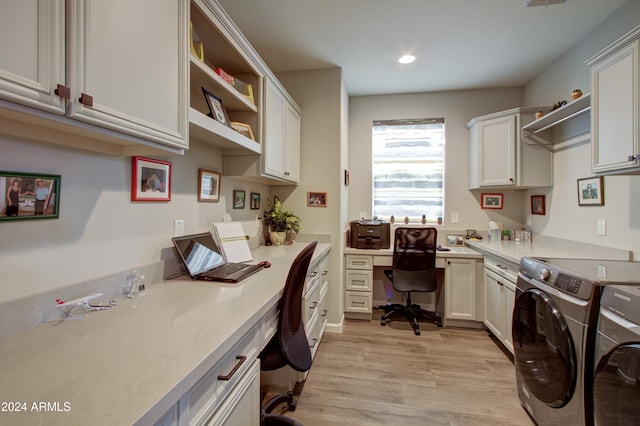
x: 112, y: 367
x: 454, y: 251
x: 547, y: 247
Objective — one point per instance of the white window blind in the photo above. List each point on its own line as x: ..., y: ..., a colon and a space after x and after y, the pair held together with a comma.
x: 408, y: 169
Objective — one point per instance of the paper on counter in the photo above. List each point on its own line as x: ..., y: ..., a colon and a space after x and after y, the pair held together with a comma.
x: 234, y: 242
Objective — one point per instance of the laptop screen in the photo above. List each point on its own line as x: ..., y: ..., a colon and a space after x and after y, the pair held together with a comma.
x: 199, y: 252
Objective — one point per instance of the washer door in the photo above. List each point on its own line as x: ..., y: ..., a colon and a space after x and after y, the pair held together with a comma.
x: 616, y: 386
x: 544, y: 353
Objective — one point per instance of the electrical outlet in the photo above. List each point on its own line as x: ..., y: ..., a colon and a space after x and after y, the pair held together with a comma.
x: 178, y: 228
x: 602, y: 227
x: 257, y: 221
x: 455, y: 218
x: 363, y: 215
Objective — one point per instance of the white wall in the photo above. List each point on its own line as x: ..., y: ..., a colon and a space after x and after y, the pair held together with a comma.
x: 565, y: 219
x: 100, y: 231
x: 457, y: 108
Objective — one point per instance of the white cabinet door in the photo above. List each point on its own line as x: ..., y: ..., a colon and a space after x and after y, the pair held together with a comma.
x: 460, y: 289
x: 509, y: 303
x: 494, y: 305
x: 32, y: 35
x: 128, y: 62
x: 495, y: 151
x: 292, y: 144
x: 615, y: 95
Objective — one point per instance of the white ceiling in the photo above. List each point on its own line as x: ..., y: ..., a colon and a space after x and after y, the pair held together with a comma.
x: 459, y: 44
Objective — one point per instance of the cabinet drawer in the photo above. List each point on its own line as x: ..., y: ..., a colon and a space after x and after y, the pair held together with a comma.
x: 358, y: 301
x: 358, y: 280
x: 206, y: 396
x: 353, y: 261
x: 311, y: 302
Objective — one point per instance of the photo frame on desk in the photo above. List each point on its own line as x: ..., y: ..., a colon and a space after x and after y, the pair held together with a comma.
x: 244, y: 129
x: 29, y: 196
x: 216, y: 109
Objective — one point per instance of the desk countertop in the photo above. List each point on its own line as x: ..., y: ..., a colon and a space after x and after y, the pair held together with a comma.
x: 112, y: 367
x: 454, y: 251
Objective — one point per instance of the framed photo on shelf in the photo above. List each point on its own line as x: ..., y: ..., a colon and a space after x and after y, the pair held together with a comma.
x: 317, y: 199
x: 492, y: 201
x: 238, y: 199
x: 216, y: 109
x: 254, y: 201
x: 208, y: 186
x: 29, y: 196
x: 537, y: 204
x: 243, y: 129
x: 150, y: 180
x: 591, y: 191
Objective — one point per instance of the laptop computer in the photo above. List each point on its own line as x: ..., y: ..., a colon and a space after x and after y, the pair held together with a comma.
x: 205, y: 261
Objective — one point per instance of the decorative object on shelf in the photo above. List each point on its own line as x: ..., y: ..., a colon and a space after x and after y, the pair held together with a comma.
x: 222, y: 73
x: 238, y: 198
x: 279, y: 221
x: 208, y: 186
x: 537, y: 204
x: 424, y: 219
x: 406, y: 220
x: 591, y: 191
x: 439, y: 220
x: 392, y: 220
x: 491, y: 201
x: 317, y: 199
x: 150, y: 179
x: 195, y: 45
x: 243, y: 128
x: 246, y: 89
x: 558, y: 104
x: 506, y: 234
x: 539, y: 114
x: 576, y: 94
x: 29, y: 196
x: 216, y: 109
x: 254, y: 201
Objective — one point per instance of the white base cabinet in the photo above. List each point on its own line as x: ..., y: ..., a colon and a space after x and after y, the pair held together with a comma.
x: 499, y: 295
x: 460, y: 289
x: 358, y: 286
x: 615, y: 107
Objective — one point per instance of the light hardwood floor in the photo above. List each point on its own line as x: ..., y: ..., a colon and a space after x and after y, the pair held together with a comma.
x: 375, y: 375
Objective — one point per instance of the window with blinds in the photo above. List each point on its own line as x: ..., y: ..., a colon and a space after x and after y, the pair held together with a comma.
x: 408, y: 169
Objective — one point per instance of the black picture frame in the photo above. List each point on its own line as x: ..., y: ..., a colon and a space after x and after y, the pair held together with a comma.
x: 239, y: 198
x: 22, y: 196
x: 254, y: 201
x: 216, y: 109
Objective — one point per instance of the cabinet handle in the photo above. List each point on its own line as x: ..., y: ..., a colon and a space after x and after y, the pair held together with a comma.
x: 286, y: 173
x: 632, y: 158
x: 313, y: 306
x: 325, y: 272
x: 242, y: 359
x: 313, y: 274
x: 510, y: 179
x: 324, y: 313
x: 63, y: 91
x: 86, y: 100
x: 358, y: 262
x: 315, y: 341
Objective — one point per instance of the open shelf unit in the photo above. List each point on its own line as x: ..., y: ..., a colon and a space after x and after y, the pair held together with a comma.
x: 539, y: 131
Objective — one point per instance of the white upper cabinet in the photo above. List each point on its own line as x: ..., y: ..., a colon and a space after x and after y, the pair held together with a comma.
x: 615, y: 91
x: 32, y: 53
x: 500, y: 158
x: 106, y: 76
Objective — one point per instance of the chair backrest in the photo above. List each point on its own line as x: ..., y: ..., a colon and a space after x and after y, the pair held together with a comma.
x: 414, y: 259
x: 294, y: 344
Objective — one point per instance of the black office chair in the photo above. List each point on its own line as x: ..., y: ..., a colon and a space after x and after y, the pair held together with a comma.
x: 414, y: 269
x: 289, y: 346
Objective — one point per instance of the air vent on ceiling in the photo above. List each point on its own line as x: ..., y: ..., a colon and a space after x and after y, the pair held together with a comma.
x: 535, y: 3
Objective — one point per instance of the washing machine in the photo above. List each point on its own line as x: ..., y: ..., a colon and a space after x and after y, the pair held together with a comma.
x: 616, y: 379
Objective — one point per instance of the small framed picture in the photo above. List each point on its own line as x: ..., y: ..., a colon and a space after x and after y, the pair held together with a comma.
x: 243, y: 129
x: 208, y: 186
x: 254, y: 201
x: 537, y: 204
x: 150, y: 180
x: 29, y: 196
x: 492, y: 201
x: 317, y: 199
x: 591, y: 191
x: 216, y: 109
x: 238, y: 199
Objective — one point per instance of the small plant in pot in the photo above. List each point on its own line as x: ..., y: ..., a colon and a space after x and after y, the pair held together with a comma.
x: 281, y: 224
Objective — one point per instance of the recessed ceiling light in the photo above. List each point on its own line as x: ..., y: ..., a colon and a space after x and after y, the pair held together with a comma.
x: 407, y: 59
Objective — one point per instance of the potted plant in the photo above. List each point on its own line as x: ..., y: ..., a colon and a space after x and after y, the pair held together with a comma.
x: 281, y: 223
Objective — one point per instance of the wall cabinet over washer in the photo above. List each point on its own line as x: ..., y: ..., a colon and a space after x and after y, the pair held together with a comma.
x: 615, y: 120
x: 500, y: 158
x: 79, y: 75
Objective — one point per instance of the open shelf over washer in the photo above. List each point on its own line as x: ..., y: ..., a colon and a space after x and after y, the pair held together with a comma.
x: 535, y: 131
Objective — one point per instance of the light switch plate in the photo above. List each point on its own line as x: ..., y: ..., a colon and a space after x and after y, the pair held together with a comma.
x: 602, y: 227
x: 178, y: 228
x: 455, y: 218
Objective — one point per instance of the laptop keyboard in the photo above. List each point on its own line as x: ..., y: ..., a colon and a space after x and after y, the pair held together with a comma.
x: 228, y: 269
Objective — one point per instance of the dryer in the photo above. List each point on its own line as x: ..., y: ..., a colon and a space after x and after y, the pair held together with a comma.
x: 616, y: 379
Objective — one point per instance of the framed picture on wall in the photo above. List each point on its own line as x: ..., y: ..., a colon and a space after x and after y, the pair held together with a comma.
x: 491, y: 201
x: 29, y: 196
x: 317, y: 199
x: 208, y: 186
x: 238, y: 199
x: 254, y: 201
x: 591, y: 191
x: 537, y: 204
x: 150, y: 180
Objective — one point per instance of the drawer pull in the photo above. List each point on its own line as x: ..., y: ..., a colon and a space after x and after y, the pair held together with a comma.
x: 63, y: 91
x: 315, y: 341
x: 325, y: 272
x: 359, y: 282
x: 242, y: 359
x: 313, y: 274
x: 358, y: 262
x: 357, y: 303
x: 324, y: 313
x: 313, y: 306
x: 86, y: 100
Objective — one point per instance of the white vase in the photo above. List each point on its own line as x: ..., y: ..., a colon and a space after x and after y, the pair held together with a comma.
x: 277, y: 238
